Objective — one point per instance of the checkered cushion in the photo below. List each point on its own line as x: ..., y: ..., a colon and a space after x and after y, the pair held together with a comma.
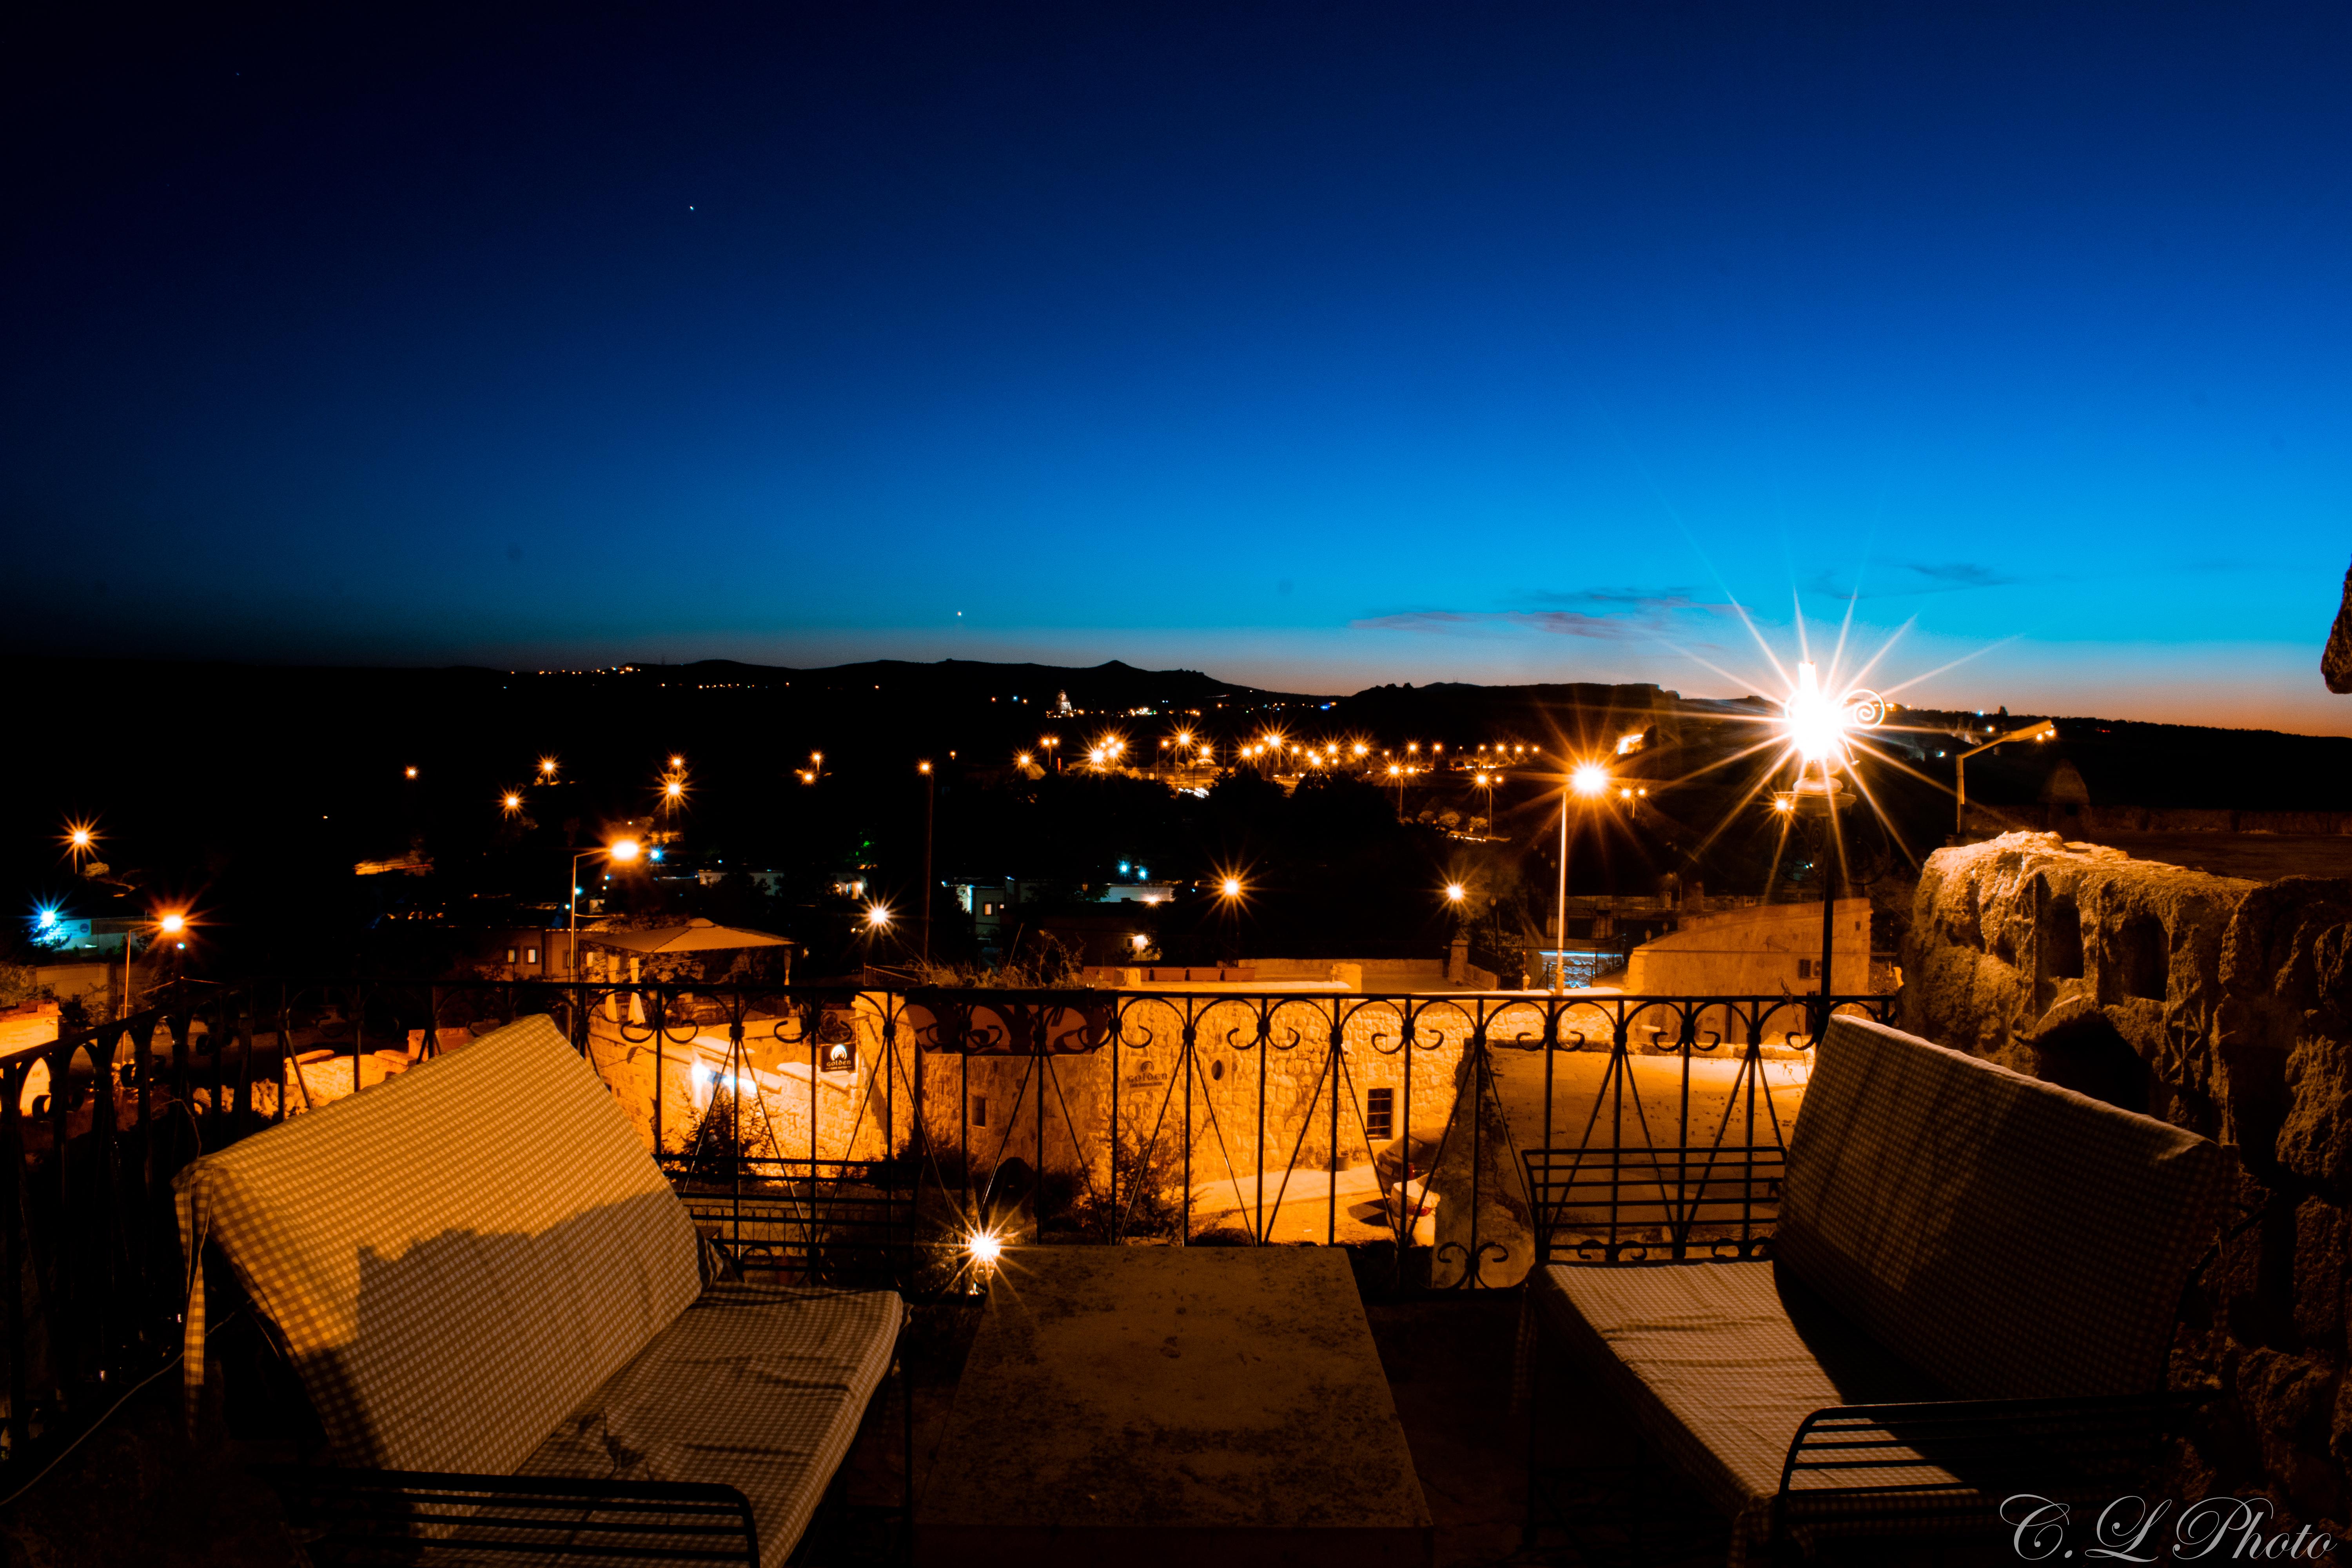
x: 2010, y: 1237
x: 1711, y: 1363
x: 758, y: 1388
x: 455, y: 1258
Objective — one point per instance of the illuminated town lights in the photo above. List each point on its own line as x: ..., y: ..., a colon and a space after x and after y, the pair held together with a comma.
x: 510, y: 803
x: 1023, y: 759
x: 172, y: 923
x: 624, y: 850
x: 1455, y: 892
x: 1230, y: 888
x: 547, y: 767
x: 412, y: 772
x: 1589, y: 779
x: 877, y: 916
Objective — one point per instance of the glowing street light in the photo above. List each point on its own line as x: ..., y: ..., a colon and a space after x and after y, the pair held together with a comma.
x: 1230, y: 887
x: 1817, y: 725
x: 172, y: 923
x: 81, y: 839
x: 412, y: 772
x: 878, y: 916
x: 510, y: 803
x: 547, y: 767
x: 1455, y: 892
x: 1590, y: 780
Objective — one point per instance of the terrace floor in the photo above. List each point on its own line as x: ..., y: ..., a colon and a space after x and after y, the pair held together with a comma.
x: 139, y: 1492
x: 1449, y: 1367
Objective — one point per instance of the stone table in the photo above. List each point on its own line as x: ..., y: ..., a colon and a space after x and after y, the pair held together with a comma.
x: 1173, y: 1407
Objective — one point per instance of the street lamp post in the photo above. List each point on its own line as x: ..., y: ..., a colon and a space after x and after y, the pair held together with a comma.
x: 1590, y: 780
x: 171, y: 922
x: 927, y: 793
x: 1817, y: 726
x: 620, y: 851
x: 1229, y: 892
x: 2045, y: 731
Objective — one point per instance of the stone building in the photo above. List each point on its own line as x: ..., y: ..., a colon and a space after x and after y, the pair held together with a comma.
x: 1755, y: 951
x: 2216, y: 1003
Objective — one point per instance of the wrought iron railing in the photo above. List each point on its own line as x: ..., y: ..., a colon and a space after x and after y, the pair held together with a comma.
x: 845, y: 1133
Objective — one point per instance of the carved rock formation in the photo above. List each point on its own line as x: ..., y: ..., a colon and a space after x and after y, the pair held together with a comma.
x: 2218, y: 1005
x: 2335, y: 663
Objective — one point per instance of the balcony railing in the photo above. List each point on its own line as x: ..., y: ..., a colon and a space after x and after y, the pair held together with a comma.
x: 853, y: 1134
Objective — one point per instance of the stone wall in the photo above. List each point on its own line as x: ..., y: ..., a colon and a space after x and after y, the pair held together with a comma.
x: 998, y: 1108
x: 2218, y: 1005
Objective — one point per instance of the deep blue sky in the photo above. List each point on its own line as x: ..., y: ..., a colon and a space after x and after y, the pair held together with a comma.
x: 1315, y: 346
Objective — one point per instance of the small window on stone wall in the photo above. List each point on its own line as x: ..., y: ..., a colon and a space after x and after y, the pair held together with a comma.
x: 2087, y: 1053
x: 511, y: 956
x: 979, y: 1110
x: 1804, y: 969
x: 531, y: 955
x: 2141, y: 946
x: 1379, y: 1114
x: 2062, y: 939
